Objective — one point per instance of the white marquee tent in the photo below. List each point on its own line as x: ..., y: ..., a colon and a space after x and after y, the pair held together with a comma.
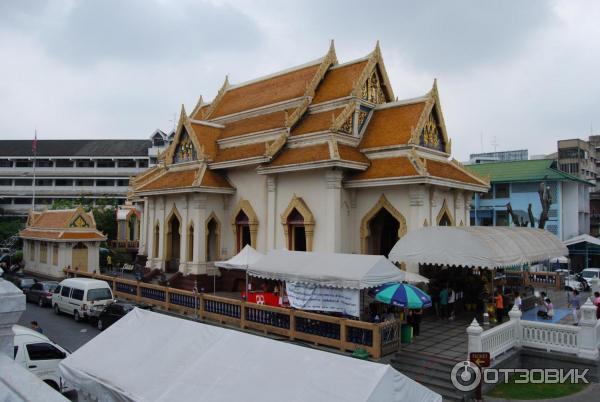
x: 352, y: 271
x: 477, y: 246
x: 241, y: 260
x: 162, y: 358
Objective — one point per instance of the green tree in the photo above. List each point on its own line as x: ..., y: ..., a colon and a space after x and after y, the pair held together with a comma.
x: 104, y: 212
x: 10, y: 228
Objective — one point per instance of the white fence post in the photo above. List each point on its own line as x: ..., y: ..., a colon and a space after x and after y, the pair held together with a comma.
x: 474, y: 332
x: 515, y: 317
x: 587, y: 335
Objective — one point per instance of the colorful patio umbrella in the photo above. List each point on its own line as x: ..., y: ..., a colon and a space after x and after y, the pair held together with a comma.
x: 403, y: 295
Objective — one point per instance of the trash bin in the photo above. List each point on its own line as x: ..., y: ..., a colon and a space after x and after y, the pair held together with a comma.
x: 406, y: 333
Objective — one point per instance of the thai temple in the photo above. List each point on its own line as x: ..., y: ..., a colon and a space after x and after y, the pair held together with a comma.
x: 319, y: 157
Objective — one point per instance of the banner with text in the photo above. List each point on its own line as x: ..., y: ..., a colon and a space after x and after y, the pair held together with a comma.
x: 312, y: 297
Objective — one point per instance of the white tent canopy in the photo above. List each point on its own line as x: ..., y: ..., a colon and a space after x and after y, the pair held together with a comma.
x: 241, y: 260
x: 162, y: 358
x: 584, y: 238
x: 353, y: 271
x: 477, y: 246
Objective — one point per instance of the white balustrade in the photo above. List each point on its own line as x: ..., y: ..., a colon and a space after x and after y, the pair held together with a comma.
x: 582, y: 341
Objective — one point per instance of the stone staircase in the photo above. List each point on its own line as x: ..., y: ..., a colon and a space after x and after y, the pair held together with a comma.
x: 429, y: 370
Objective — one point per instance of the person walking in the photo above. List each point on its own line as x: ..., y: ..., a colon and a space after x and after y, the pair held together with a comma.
x: 499, y: 301
x: 575, y: 306
x: 451, y: 300
x: 518, y: 301
x: 444, y: 302
x: 416, y: 321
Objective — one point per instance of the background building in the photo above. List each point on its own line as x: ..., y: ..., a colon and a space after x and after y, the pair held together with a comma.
x: 500, y: 156
x: 69, y: 169
x: 518, y: 183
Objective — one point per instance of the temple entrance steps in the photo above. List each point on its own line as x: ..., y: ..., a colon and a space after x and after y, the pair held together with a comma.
x: 429, y: 370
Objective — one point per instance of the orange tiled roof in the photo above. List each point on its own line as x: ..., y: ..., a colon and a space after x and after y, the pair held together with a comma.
x: 292, y: 156
x: 61, y: 235
x: 311, y: 123
x: 352, y: 154
x: 387, y: 168
x: 54, y: 218
x: 241, y: 152
x: 392, y: 125
x: 447, y: 170
x: 266, y: 92
x: 207, y: 137
x: 176, y: 179
x: 255, y: 124
x: 214, y: 179
x: 338, y: 82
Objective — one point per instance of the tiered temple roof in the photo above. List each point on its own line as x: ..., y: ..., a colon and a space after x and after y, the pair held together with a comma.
x: 321, y: 114
x: 62, y: 225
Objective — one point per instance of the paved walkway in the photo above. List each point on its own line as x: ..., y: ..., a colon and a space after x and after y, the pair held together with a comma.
x: 443, y: 338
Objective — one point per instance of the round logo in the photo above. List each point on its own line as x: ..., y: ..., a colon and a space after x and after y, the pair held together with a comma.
x: 465, y: 376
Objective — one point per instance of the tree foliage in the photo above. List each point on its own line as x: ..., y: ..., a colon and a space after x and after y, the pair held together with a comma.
x: 104, y: 212
x: 10, y: 228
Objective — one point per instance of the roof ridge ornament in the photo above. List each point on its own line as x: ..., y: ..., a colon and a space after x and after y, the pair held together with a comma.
x: 218, y: 98
x: 197, y: 108
x: 329, y: 60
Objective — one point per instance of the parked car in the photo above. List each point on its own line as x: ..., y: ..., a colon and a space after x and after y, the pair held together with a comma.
x: 41, y: 293
x: 113, y: 312
x: 574, y: 283
x: 24, y: 282
x: 38, y: 354
x: 590, y: 273
x: 81, y: 297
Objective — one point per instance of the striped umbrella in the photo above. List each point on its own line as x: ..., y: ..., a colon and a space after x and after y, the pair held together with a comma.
x: 403, y: 295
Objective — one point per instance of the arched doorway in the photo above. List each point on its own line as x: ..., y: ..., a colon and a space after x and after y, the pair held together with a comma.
x: 383, y: 233
x: 213, y: 231
x: 242, y: 231
x: 80, y: 257
x: 444, y: 217
x: 133, y: 227
x: 298, y: 226
x: 381, y: 228
x: 173, y: 243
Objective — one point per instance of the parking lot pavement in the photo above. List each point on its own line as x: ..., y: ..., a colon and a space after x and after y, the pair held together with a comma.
x: 62, y: 329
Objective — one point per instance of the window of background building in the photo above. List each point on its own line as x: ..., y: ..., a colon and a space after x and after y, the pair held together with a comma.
x: 5, y: 163
x: 502, y: 190
x: 24, y: 163
x: 44, y: 182
x: 5, y: 201
x: 487, y: 196
x: 143, y: 163
x: 84, y: 182
x: 5, y: 182
x: 105, y: 163
x: 126, y: 163
x: 63, y: 182
x: 85, y: 164
x: 64, y: 163
x: 123, y: 182
x: 153, y: 161
x: 22, y: 201
x: 502, y: 218
x: 45, y: 163
x: 23, y: 182
x: 105, y: 183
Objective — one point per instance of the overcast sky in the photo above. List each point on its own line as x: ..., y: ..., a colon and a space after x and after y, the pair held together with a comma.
x: 522, y: 73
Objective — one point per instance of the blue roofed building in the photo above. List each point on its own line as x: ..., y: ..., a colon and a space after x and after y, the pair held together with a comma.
x: 518, y: 182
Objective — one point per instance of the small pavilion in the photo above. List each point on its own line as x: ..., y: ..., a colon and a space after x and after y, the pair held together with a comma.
x: 55, y: 239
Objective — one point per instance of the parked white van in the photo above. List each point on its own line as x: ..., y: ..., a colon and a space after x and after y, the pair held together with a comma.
x: 81, y: 297
x: 590, y: 273
x: 38, y: 354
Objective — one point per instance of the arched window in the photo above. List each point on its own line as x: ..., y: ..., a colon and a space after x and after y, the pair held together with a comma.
x: 173, y: 242
x: 298, y: 225
x: 444, y: 217
x: 133, y: 227
x: 245, y: 225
